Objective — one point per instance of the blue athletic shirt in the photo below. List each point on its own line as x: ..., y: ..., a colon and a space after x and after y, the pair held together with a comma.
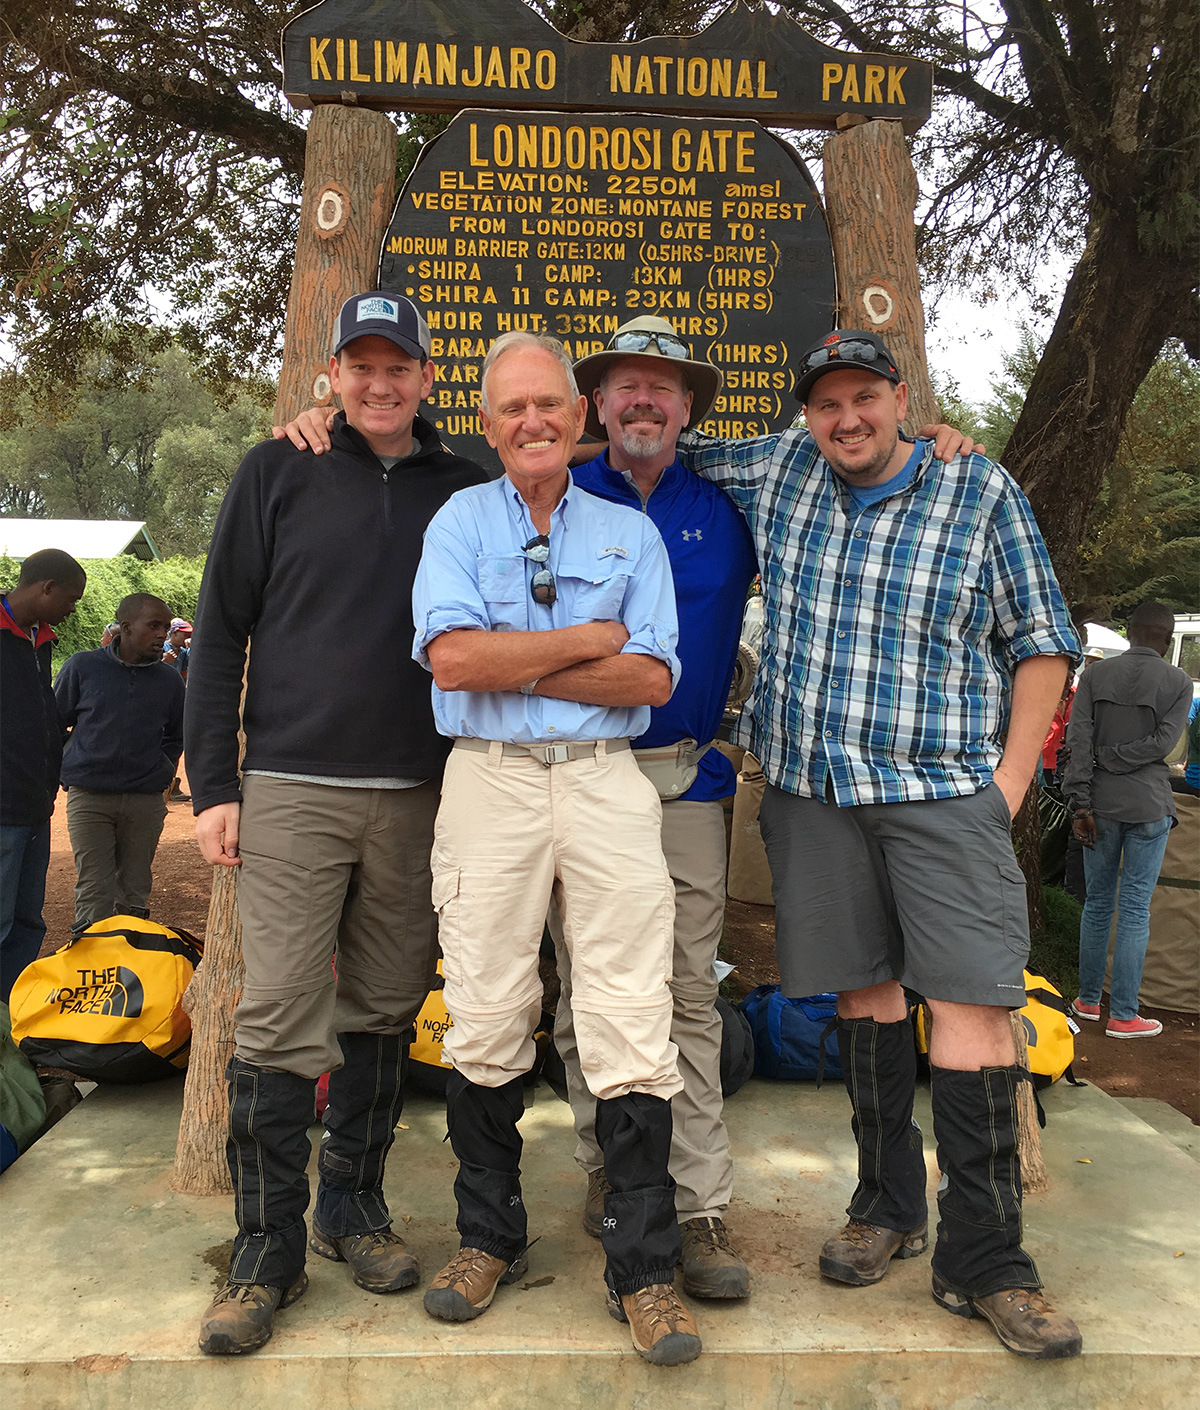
x: 712, y: 561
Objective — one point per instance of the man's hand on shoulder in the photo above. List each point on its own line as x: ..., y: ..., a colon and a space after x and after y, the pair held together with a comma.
x: 310, y: 430
x: 217, y: 834
x: 949, y: 442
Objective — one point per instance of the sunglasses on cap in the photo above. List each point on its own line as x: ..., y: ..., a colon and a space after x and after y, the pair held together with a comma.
x: 543, y: 588
x: 849, y: 349
x: 639, y: 339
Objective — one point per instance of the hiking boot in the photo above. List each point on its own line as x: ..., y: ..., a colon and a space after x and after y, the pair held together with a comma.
x: 711, y: 1265
x: 593, y: 1205
x: 663, y: 1331
x: 860, y: 1254
x: 1091, y: 1012
x: 381, y: 1261
x: 239, y: 1318
x: 1133, y: 1028
x: 465, y: 1287
x: 1021, y: 1317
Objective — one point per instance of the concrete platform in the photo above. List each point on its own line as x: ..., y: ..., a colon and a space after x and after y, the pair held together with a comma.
x: 106, y: 1272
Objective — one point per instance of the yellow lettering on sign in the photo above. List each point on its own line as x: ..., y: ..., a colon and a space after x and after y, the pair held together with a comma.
x: 355, y: 76
x: 518, y: 68
x: 495, y: 70
x: 618, y: 73
x: 644, y: 83
x: 422, y: 72
x: 681, y: 156
x: 397, y: 62
x: 718, y: 84
x: 473, y: 80
x: 830, y: 74
x: 873, y: 87
x: 340, y: 47
x: 763, y: 90
x: 545, y: 71
x: 745, y: 151
x: 895, y: 92
x: 744, y: 87
x: 476, y: 159
x: 378, y: 61
x: 850, y: 87
x: 598, y: 148
x: 447, y: 64
x: 318, y: 68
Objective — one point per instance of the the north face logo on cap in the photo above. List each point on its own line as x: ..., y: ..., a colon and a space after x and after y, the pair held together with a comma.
x: 378, y: 308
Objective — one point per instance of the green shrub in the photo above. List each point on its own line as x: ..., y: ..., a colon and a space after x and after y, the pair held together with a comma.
x: 1054, y: 950
x: 175, y: 580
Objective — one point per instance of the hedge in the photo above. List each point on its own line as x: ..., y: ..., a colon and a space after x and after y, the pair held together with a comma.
x: 175, y: 580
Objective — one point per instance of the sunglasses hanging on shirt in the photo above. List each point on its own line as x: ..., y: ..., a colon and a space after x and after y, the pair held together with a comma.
x: 542, y: 589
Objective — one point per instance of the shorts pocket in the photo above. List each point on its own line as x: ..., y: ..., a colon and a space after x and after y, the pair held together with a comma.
x: 1014, y: 905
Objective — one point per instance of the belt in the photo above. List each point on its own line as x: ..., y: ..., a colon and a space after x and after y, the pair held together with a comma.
x: 547, y: 754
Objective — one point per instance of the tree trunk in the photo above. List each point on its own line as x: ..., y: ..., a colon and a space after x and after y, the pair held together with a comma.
x: 1121, y: 304
x: 349, y: 188
x: 1034, y: 1179
x: 349, y: 183
x: 870, y: 192
x: 200, y: 1167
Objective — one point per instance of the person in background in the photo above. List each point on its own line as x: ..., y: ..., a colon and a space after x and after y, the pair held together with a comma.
x: 109, y: 633
x: 1128, y: 714
x: 124, y: 711
x: 1056, y: 735
x: 50, y: 583
x: 176, y: 654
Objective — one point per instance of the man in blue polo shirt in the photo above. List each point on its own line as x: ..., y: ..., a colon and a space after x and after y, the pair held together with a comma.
x: 642, y: 390
x: 547, y: 618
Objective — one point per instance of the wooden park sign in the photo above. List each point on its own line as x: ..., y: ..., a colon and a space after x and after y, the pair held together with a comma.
x: 572, y: 225
x: 751, y: 62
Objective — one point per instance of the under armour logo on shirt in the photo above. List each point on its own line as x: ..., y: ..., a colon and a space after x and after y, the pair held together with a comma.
x: 689, y: 534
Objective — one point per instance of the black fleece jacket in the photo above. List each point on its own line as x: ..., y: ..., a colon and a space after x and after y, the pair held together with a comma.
x: 312, y: 562
x: 31, y: 738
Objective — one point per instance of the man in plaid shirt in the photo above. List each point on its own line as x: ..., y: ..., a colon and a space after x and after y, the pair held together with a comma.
x: 916, y: 645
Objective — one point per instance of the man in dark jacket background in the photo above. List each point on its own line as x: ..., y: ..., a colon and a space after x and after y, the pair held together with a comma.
x: 49, y: 586
x: 312, y: 564
x: 124, y: 708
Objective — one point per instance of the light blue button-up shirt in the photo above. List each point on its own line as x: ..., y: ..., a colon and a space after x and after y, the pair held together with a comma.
x: 609, y: 564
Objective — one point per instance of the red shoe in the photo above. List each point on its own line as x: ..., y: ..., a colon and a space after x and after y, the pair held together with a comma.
x: 1133, y: 1028
x: 1089, y: 1011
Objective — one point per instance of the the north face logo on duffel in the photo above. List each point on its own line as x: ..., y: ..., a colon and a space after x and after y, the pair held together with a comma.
x: 115, y: 992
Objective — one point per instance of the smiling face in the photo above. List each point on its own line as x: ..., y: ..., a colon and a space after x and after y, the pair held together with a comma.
x: 854, y: 417
x: 643, y: 403
x: 531, y: 419
x: 381, y: 388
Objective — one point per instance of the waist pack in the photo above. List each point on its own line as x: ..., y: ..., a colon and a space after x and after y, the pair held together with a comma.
x: 108, y: 1006
x: 793, y: 1038
x: 1049, y: 1033
x: 673, y: 768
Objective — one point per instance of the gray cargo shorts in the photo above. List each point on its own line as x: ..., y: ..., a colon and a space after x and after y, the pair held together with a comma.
x: 929, y: 893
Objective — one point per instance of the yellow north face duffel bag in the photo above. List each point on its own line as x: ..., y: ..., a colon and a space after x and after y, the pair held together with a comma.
x: 108, y: 1006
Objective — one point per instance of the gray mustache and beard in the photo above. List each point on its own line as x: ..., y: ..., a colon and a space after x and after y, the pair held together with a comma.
x: 642, y: 444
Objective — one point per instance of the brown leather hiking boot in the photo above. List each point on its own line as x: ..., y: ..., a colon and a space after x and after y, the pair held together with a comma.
x: 381, y: 1262
x: 593, y: 1204
x: 240, y: 1317
x: 1022, y: 1318
x: 711, y: 1266
x: 466, y: 1285
x: 663, y: 1331
x: 860, y: 1254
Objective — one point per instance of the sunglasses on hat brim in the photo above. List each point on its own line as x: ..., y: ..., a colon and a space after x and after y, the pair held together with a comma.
x: 639, y: 339
x: 845, y: 349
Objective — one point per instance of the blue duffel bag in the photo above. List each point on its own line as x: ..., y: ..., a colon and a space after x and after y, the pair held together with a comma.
x: 790, y: 1034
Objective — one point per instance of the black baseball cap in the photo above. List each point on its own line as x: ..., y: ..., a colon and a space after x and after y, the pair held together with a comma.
x: 844, y: 347
x: 386, y: 315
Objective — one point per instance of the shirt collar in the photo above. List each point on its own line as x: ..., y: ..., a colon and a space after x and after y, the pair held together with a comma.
x: 8, y: 623
x: 520, y: 509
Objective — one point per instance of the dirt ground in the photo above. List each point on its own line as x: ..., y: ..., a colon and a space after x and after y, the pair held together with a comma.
x: 1167, y: 1067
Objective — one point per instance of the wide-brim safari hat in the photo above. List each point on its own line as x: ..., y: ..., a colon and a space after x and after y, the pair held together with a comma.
x: 648, y: 337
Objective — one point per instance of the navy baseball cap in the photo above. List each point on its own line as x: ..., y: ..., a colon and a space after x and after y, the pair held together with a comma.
x: 386, y: 315
x: 844, y: 347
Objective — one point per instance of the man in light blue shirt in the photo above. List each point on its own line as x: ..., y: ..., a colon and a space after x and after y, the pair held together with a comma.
x: 547, y: 618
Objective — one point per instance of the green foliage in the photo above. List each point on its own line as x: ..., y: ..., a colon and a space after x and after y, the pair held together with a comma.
x: 1143, y: 541
x: 1054, y: 950
x: 175, y: 580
